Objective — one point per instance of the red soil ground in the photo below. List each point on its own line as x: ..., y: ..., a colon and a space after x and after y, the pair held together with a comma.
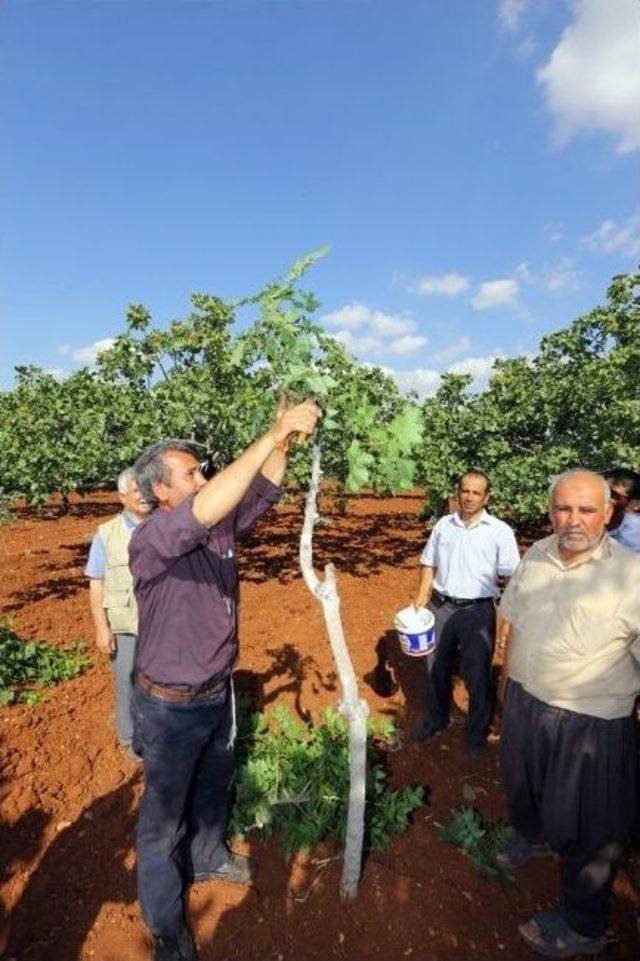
x: 68, y: 797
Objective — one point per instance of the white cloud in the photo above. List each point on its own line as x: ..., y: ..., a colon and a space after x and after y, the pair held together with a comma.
x: 510, y: 14
x: 560, y: 277
x: 610, y: 238
x: 355, y: 315
x: 527, y: 47
x: 592, y: 78
x: 58, y: 373
x: 523, y: 271
x: 349, y: 317
x: 390, y: 325
x: 360, y: 346
x: 563, y: 277
x: 480, y: 368
x: 86, y: 355
x: 497, y: 294
x: 423, y: 380
x: 426, y: 381
x: 407, y: 344
x: 450, y: 285
x: 454, y: 349
x: 371, y: 333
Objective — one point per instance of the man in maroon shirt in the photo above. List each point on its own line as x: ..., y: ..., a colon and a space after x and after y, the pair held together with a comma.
x: 185, y: 581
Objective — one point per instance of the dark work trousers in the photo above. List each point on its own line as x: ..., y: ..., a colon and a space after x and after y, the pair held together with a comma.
x: 188, y: 755
x: 471, y: 631
x: 571, y: 780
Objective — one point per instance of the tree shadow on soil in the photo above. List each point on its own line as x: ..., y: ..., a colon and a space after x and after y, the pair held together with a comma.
x: 57, y: 585
x: 79, y: 554
x: 293, y: 667
x: 54, y: 587
x: 86, y: 865
x: 90, y: 507
x: 394, y: 670
x: 359, y: 546
x: 95, y: 508
x: 20, y: 841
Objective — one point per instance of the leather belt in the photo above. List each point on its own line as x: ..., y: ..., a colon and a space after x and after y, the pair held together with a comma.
x: 180, y: 697
x: 460, y: 601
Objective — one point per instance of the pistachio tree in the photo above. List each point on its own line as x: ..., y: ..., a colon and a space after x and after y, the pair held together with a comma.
x: 371, y: 435
x: 575, y: 402
x: 53, y: 434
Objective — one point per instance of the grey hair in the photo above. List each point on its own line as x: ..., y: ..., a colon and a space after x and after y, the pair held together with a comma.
x: 128, y: 474
x: 150, y: 467
x: 575, y: 472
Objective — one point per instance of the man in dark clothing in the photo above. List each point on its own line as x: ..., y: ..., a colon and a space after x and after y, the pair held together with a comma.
x: 185, y: 581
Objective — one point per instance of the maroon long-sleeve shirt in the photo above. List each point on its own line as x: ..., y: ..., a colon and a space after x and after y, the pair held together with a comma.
x: 186, y: 585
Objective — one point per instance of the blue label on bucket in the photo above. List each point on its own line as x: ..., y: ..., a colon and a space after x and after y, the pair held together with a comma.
x: 417, y: 645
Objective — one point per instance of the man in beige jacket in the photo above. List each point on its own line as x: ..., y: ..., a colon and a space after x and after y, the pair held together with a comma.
x: 571, y: 620
x: 113, y: 605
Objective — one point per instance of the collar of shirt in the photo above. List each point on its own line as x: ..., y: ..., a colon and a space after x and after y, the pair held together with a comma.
x: 129, y: 520
x: 483, y: 519
x: 601, y: 550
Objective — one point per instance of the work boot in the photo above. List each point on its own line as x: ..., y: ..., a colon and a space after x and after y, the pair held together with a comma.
x: 181, y: 948
x: 238, y: 869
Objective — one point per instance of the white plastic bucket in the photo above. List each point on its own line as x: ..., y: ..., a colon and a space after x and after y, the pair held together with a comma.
x: 420, y: 642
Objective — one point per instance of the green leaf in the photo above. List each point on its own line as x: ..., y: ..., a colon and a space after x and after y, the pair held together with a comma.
x: 294, y: 779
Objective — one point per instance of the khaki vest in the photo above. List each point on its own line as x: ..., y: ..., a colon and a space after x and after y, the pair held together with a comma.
x: 119, y: 600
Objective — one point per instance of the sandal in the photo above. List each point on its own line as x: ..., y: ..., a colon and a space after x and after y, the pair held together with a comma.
x: 519, y: 851
x: 558, y: 940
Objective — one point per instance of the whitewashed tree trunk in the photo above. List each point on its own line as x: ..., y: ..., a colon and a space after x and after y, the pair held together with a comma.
x: 354, y: 708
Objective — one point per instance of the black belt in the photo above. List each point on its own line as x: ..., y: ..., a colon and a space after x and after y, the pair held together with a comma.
x: 180, y: 697
x: 460, y: 601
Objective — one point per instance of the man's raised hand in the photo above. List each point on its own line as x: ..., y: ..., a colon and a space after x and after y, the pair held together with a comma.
x: 300, y: 419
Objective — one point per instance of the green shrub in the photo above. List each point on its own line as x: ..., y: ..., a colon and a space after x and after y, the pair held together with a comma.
x: 26, y: 666
x: 293, y: 779
x: 482, y: 840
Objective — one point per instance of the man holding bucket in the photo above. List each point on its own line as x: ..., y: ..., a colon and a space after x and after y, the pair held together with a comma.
x: 466, y: 557
x: 569, y: 740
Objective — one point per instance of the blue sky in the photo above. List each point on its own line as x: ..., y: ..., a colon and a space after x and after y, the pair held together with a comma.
x: 473, y: 164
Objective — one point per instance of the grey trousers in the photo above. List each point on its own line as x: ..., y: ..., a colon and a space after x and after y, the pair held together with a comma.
x: 122, y: 663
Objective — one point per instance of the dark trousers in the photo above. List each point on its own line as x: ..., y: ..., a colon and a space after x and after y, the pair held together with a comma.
x: 188, y: 754
x: 570, y: 780
x: 470, y: 631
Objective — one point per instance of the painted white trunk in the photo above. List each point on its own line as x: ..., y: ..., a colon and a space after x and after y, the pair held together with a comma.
x: 354, y: 708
